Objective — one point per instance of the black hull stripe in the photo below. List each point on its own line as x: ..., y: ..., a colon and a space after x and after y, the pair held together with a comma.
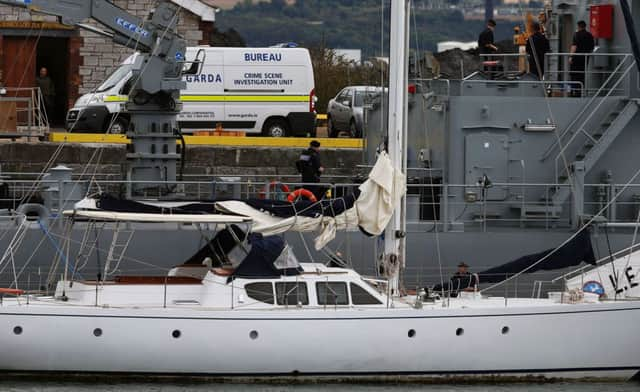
x: 335, y: 374
x: 313, y: 318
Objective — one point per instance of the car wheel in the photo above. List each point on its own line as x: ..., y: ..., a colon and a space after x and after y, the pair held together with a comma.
x: 353, y: 129
x: 331, y: 129
x: 276, y: 128
x: 119, y: 126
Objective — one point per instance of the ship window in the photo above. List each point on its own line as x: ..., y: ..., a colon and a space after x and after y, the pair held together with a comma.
x: 332, y: 293
x: 292, y: 293
x: 360, y: 296
x: 261, y: 291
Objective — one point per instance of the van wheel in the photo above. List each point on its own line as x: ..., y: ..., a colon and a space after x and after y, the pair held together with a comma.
x: 331, y: 130
x: 119, y: 126
x: 276, y: 128
x: 353, y: 129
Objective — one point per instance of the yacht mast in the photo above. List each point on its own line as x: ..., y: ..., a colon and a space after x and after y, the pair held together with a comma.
x: 394, y: 240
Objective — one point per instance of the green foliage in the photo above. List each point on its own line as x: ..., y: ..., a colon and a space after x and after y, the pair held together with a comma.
x: 332, y: 73
x: 353, y: 24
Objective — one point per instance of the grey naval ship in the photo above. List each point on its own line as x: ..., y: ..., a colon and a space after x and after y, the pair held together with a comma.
x: 500, y: 165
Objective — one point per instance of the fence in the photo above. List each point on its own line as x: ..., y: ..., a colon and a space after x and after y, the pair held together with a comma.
x: 21, y: 113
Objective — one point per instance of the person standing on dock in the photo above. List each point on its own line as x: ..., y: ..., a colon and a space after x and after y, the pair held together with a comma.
x: 310, y: 167
x: 537, y: 47
x: 48, y: 91
x: 583, y: 42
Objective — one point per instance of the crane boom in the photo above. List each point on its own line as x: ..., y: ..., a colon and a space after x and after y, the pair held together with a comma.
x: 154, y: 97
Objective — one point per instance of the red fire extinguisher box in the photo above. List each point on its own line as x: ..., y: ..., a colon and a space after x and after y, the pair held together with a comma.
x: 601, y: 21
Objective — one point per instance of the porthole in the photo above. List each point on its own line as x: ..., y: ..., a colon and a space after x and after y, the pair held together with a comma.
x: 17, y: 330
x: 411, y: 333
x: 253, y: 335
x: 97, y: 332
x: 459, y: 332
x: 505, y: 330
x: 176, y: 333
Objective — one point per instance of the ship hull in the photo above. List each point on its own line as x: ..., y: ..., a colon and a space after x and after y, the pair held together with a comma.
x: 552, y: 341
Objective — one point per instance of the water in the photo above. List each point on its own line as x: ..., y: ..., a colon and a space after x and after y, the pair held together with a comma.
x: 58, y: 386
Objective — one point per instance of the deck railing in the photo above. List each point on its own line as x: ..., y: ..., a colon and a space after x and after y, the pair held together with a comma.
x: 445, y: 207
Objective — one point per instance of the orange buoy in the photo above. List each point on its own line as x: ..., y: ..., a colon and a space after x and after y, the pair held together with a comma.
x: 11, y: 291
x: 293, y: 196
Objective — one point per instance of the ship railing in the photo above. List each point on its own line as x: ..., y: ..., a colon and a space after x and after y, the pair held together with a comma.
x: 439, y: 86
x: 22, y: 113
x: 593, y: 81
x: 446, y: 207
x: 596, y: 76
x: 424, y: 273
x: 592, y: 110
x: 525, y: 86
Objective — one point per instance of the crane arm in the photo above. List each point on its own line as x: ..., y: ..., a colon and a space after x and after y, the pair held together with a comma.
x: 154, y: 98
x: 128, y: 30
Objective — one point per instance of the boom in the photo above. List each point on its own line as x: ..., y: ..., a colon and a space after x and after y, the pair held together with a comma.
x: 154, y: 98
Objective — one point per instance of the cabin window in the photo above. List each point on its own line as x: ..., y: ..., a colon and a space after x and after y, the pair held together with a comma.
x: 360, y: 296
x: 332, y: 293
x: 292, y: 293
x: 261, y: 291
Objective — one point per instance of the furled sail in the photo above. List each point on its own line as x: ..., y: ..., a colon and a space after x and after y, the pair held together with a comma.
x: 368, y: 210
x: 572, y: 253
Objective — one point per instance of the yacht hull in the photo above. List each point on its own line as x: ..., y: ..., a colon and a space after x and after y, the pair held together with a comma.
x: 552, y: 341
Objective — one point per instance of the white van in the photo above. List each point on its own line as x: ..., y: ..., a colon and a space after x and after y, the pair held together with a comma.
x: 268, y: 91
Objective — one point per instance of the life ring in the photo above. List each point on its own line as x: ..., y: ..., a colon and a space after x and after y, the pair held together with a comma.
x: 293, y: 196
x: 274, y: 186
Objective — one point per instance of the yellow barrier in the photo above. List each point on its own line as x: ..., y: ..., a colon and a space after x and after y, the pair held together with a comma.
x: 61, y: 137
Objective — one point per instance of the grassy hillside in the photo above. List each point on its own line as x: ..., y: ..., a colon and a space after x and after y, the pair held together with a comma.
x: 343, y: 24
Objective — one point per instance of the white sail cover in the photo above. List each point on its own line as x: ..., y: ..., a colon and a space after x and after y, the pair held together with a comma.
x: 267, y: 224
x: 380, y: 195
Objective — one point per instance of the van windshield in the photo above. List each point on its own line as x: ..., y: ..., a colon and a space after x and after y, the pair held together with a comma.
x: 117, y: 75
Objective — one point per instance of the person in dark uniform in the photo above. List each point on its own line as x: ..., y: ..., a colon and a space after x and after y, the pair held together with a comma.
x: 310, y: 167
x: 583, y: 42
x: 537, y: 47
x: 48, y: 91
x: 485, y: 40
x: 486, y: 44
x: 463, y: 280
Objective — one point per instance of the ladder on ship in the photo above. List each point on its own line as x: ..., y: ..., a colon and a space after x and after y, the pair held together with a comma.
x: 122, y: 235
